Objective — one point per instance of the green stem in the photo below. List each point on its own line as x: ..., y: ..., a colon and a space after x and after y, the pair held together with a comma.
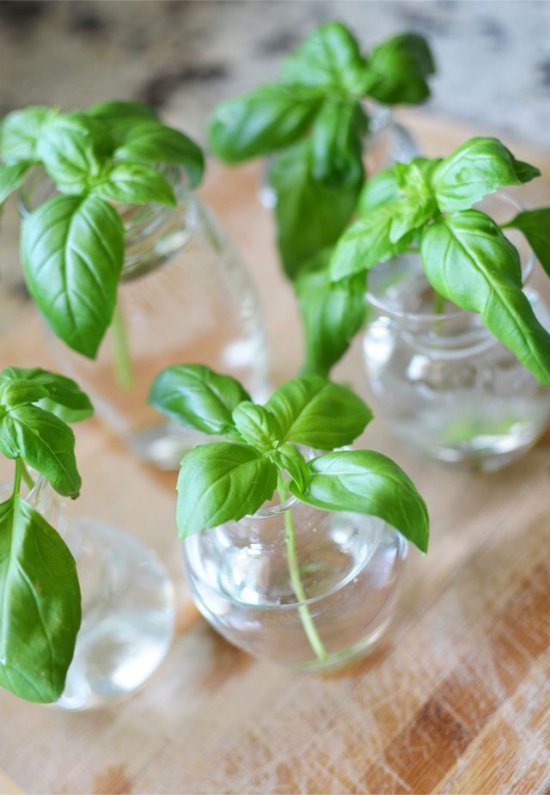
x: 439, y: 304
x: 27, y: 477
x: 17, y: 478
x: 123, y: 361
x: 294, y: 569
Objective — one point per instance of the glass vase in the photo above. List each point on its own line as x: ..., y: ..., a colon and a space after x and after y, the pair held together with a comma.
x: 184, y: 297
x: 297, y: 586
x: 386, y: 142
x: 128, y: 607
x: 444, y: 384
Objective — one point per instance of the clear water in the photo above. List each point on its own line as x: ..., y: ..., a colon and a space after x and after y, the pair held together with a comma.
x: 128, y: 616
x: 350, y: 567
x: 462, y: 397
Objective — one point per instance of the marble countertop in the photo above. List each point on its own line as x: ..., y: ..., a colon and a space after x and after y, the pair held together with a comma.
x: 493, y: 57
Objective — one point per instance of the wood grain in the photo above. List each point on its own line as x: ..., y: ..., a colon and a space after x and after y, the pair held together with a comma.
x: 456, y: 698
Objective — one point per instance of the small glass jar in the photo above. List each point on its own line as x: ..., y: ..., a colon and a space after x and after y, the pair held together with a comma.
x: 444, y: 384
x: 387, y: 142
x: 184, y: 297
x: 128, y: 607
x: 243, y: 578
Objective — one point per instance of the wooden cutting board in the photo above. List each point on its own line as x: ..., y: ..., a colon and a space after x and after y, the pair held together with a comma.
x: 454, y: 700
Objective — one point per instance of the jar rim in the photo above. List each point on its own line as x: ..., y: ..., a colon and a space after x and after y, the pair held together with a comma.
x: 432, y: 317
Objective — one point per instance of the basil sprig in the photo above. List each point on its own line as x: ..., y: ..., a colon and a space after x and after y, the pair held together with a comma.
x: 72, y: 245
x: 39, y: 591
x: 466, y: 257
x: 227, y: 480
x: 313, y: 120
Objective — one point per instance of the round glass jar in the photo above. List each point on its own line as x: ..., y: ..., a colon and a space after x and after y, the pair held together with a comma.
x: 128, y: 606
x: 386, y: 142
x: 444, y: 384
x: 243, y: 578
x: 184, y: 297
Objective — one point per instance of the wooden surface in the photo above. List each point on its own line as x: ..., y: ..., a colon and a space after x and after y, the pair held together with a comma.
x: 454, y: 700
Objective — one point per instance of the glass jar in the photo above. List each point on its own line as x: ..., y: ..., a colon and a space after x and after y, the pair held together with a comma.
x: 317, y: 604
x: 387, y: 142
x: 184, y: 297
x: 444, y: 384
x: 128, y: 606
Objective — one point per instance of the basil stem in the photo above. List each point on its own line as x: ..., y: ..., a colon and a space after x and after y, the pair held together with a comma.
x: 303, y: 610
x: 27, y: 477
x: 124, y: 370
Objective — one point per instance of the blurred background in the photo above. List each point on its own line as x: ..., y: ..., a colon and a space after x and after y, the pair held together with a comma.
x: 182, y: 56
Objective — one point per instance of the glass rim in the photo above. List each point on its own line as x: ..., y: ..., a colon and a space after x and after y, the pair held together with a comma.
x: 433, y: 317
x: 303, y: 602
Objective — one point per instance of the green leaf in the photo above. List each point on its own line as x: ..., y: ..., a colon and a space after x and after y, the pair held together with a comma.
x: 135, y: 183
x: 289, y: 459
x: 121, y: 117
x: 379, y: 190
x: 332, y: 313
x: 63, y: 397
x: 317, y: 413
x: 72, y: 250
x: 362, y: 481
x: 39, y: 605
x: 198, y: 397
x: 44, y: 442
x: 368, y: 241
x: 397, y: 70
x: 417, y: 205
x: 535, y: 225
x: 153, y: 142
x: 21, y: 131
x: 11, y: 178
x: 310, y: 216
x: 20, y: 393
x: 479, y: 167
x: 256, y: 425
x: 336, y: 144
x: 71, y: 148
x: 469, y: 261
x: 219, y: 482
x: 270, y: 118
x: 328, y: 59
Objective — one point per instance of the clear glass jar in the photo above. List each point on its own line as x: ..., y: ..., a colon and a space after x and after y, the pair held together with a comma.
x: 444, y: 384
x: 184, y: 297
x: 128, y: 606
x: 349, y: 567
x: 386, y: 143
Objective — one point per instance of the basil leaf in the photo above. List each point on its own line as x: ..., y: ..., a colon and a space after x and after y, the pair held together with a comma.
x: 289, y: 459
x: 152, y: 142
x: 11, y: 178
x: 219, y: 482
x: 397, y: 69
x: 379, y: 190
x: 468, y: 260
x: 121, y: 117
x: 361, y: 481
x: 479, y: 167
x: 21, y: 131
x: 63, y: 397
x: 44, y: 442
x: 135, y: 183
x: 332, y: 313
x: 368, y: 241
x: 336, y: 144
x: 20, y: 393
x: 317, y: 413
x: 39, y: 605
x: 310, y: 216
x: 71, y: 148
x: 535, y: 225
x: 262, y: 121
x: 329, y: 59
x: 72, y: 250
x: 198, y: 397
x: 417, y: 205
x: 256, y: 425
